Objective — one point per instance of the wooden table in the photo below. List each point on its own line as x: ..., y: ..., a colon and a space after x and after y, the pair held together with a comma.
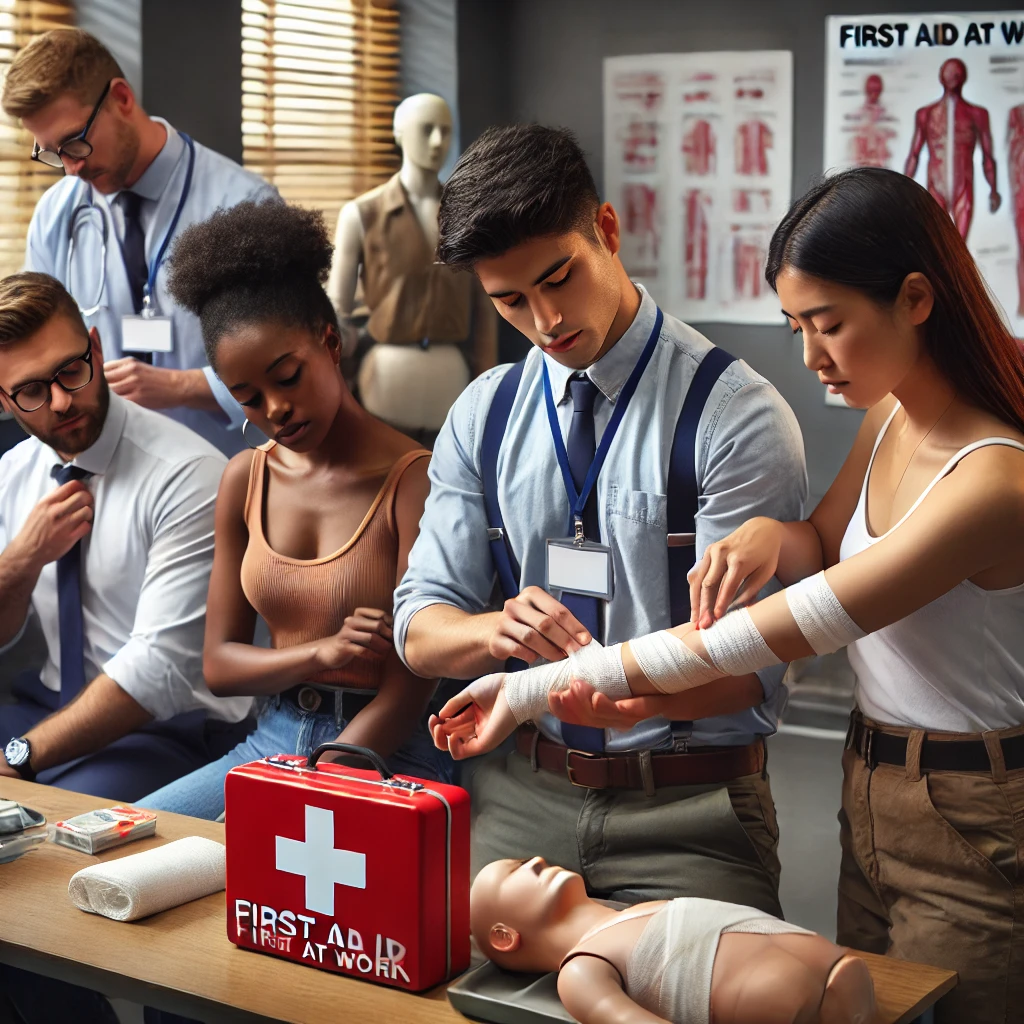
x: 181, y: 960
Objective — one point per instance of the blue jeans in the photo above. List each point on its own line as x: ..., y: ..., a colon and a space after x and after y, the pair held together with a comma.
x: 283, y: 728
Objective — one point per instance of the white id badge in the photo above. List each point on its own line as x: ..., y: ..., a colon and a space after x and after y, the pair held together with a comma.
x: 146, y: 334
x: 579, y: 568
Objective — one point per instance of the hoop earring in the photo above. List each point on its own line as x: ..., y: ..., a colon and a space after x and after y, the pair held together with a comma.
x: 245, y: 423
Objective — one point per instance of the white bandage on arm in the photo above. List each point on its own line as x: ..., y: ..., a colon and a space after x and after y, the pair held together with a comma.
x: 670, y: 666
x: 527, y: 692
x: 735, y: 645
x: 819, y: 615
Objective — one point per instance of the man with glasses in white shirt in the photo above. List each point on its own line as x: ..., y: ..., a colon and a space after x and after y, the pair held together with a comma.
x: 106, y: 538
x: 132, y: 183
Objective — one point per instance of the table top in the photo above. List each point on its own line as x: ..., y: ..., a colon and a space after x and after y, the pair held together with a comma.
x: 182, y: 961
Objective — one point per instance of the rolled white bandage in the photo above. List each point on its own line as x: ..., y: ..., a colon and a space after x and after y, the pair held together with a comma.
x: 527, y: 692
x: 669, y: 664
x: 735, y: 645
x: 819, y: 615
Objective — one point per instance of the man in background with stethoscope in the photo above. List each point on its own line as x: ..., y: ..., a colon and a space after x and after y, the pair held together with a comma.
x: 131, y: 183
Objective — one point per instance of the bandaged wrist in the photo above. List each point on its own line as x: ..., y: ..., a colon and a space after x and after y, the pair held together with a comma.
x: 669, y: 665
x: 819, y: 615
x: 527, y: 692
x: 735, y: 645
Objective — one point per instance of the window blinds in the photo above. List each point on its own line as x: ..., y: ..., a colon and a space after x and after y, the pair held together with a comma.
x: 320, y: 81
x: 22, y: 181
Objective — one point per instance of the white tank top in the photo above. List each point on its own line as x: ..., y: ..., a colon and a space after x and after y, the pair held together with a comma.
x: 955, y: 665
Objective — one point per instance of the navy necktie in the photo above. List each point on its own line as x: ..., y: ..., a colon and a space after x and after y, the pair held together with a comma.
x: 133, y: 251
x: 580, y: 447
x: 69, y: 604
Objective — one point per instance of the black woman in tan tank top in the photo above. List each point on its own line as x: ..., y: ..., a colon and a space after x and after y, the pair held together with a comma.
x: 313, y: 528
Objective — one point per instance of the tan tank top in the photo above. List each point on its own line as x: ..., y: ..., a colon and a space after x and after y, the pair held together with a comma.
x: 308, y: 599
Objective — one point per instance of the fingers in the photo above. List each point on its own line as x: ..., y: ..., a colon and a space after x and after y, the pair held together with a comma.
x: 76, y: 501
x: 530, y: 638
x: 375, y: 614
x: 370, y: 640
x: 731, y: 581
x: 581, y: 704
x: 753, y: 586
x: 710, y: 584
x: 456, y: 705
x: 696, y: 577
x: 565, y: 620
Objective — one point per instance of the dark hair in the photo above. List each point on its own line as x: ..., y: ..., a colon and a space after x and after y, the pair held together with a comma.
x: 869, y: 228
x: 252, y: 263
x: 513, y: 184
x: 30, y: 300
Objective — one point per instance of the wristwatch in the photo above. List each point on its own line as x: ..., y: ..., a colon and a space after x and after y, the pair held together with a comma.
x: 18, y: 753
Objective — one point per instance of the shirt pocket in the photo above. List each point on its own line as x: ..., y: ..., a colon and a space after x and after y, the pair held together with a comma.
x: 637, y: 525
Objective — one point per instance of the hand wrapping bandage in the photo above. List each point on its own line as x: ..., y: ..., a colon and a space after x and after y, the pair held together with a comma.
x: 819, y: 615
x: 527, y: 692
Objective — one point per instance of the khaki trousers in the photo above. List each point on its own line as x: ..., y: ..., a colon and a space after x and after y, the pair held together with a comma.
x: 933, y: 871
x: 716, y: 841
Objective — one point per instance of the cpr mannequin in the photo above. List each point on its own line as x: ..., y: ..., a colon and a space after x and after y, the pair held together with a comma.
x: 420, y: 311
x: 686, y: 961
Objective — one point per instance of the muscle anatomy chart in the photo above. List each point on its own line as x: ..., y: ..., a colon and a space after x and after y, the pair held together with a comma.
x: 698, y: 165
x: 941, y: 98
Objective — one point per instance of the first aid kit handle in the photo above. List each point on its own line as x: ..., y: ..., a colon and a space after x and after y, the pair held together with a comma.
x: 350, y: 748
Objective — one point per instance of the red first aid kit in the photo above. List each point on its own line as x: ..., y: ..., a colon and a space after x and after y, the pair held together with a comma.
x: 360, y: 872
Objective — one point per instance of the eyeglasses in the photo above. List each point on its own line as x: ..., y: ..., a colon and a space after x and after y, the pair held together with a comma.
x: 72, y: 376
x: 76, y: 148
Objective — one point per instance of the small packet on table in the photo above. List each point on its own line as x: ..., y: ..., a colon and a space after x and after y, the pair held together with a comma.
x: 97, y: 831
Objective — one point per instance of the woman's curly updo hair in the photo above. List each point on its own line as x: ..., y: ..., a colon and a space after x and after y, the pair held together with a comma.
x: 253, y: 263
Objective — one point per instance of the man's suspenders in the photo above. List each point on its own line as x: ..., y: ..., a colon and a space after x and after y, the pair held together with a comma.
x: 683, y: 491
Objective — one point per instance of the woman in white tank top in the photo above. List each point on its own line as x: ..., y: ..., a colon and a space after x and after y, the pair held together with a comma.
x: 922, y: 538
x: 914, y: 557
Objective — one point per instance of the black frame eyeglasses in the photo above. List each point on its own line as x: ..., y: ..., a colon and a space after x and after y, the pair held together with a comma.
x: 73, y: 381
x: 75, y: 148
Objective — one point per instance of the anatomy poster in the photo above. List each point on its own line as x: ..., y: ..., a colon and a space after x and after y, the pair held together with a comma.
x: 939, y: 97
x: 698, y: 164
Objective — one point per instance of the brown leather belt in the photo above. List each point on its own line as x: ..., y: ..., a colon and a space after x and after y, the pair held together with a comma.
x: 646, y: 770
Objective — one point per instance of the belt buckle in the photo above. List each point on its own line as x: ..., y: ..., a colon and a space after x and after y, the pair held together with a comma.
x: 308, y: 699
x: 571, y: 772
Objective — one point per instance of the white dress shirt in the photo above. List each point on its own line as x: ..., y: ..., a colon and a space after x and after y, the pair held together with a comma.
x: 145, y: 564
x: 217, y: 182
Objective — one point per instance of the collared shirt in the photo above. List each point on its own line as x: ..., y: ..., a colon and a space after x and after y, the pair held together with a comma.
x: 749, y: 459
x: 145, y: 563
x: 411, y: 298
x: 216, y: 182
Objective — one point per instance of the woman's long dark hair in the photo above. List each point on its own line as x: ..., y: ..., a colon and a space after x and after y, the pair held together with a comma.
x: 868, y: 229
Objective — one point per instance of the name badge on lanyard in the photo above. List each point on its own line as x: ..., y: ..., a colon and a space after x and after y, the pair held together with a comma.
x: 148, y: 331
x: 575, y: 564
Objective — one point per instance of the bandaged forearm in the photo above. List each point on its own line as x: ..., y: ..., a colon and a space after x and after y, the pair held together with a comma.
x: 734, y: 646
x: 820, y: 617
x: 527, y: 692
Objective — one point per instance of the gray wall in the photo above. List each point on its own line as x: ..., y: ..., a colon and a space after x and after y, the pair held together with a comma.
x: 534, y: 60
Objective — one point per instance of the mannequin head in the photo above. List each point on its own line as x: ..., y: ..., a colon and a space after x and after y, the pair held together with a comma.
x: 521, y: 913
x: 953, y: 74
x: 521, y: 210
x: 253, y: 275
x: 423, y: 131
x: 876, y: 276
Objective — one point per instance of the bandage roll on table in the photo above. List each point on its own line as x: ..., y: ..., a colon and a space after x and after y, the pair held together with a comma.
x: 146, y: 883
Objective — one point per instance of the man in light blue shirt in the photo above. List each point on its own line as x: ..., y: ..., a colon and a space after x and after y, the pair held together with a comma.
x: 663, y: 809
x: 100, y: 230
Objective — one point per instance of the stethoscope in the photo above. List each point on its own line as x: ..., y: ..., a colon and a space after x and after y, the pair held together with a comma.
x: 85, y: 213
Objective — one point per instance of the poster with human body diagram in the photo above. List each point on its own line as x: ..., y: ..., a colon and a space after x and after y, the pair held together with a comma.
x: 698, y: 164
x: 939, y: 97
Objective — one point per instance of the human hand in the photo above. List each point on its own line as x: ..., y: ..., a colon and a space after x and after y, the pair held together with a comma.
x: 56, y: 524
x: 994, y: 201
x: 749, y: 554
x: 366, y: 633
x: 154, y: 387
x: 475, y: 720
x: 534, y: 625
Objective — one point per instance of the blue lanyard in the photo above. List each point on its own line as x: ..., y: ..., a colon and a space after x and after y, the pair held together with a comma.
x: 155, y: 267
x: 578, y: 501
